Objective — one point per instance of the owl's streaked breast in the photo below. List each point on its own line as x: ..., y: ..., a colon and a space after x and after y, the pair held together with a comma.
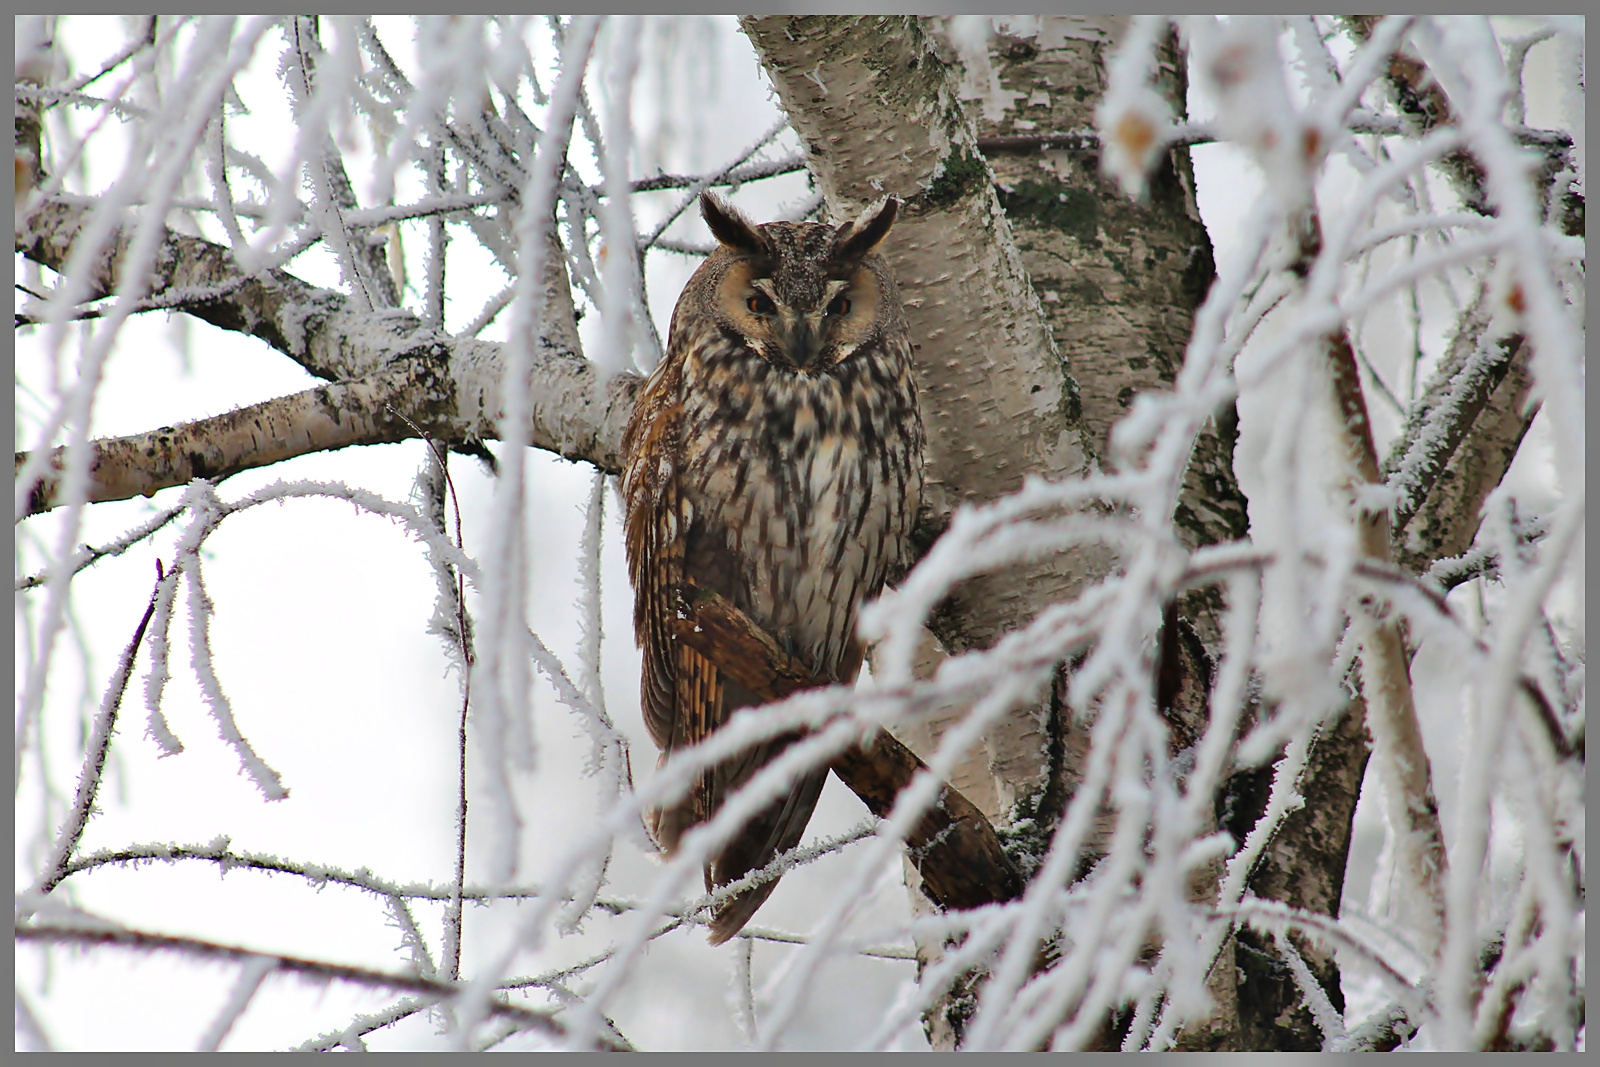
x: 805, y: 484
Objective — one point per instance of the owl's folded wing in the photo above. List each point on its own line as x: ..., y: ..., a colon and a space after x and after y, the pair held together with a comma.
x: 654, y: 543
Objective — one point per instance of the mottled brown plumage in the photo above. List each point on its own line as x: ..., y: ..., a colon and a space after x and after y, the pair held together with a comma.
x: 775, y: 456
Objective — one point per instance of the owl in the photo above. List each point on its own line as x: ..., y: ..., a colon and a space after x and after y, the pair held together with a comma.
x: 774, y: 457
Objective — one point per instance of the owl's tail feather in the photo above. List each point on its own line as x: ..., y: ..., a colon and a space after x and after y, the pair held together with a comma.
x: 775, y: 829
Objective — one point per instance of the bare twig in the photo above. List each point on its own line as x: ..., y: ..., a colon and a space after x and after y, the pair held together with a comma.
x: 251, y: 975
x: 145, y: 38
x: 453, y: 585
x: 88, y: 556
x: 1189, y: 134
x: 735, y: 176
x: 433, y: 991
x: 94, y: 757
x: 702, y: 184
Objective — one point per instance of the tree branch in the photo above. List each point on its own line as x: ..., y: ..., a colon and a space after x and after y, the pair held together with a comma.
x: 567, y: 418
x: 1190, y: 134
x: 45, y: 934
x: 315, y: 327
x: 1426, y: 106
x: 737, y: 176
x: 1465, y: 429
x: 94, y: 758
x: 1459, y: 441
x: 953, y: 847
x: 450, y: 386
x: 1385, y: 676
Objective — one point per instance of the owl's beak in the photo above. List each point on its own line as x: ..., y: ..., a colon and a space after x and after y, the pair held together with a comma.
x: 802, y: 338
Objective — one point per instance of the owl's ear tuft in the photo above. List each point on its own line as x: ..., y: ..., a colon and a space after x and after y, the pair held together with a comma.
x: 856, y: 239
x: 730, y: 226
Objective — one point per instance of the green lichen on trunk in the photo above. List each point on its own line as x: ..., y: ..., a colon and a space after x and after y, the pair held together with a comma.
x: 1072, y: 212
x: 962, y: 174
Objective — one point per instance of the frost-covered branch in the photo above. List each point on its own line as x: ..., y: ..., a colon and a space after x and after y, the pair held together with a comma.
x: 1459, y: 440
x: 89, y: 555
x: 1386, y: 682
x: 1455, y: 417
x: 450, y: 386
x: 140, y: 941
x: 94, y: 762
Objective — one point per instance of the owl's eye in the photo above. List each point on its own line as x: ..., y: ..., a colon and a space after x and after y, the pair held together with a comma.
x: 840, y: 305
x: 761, y: 305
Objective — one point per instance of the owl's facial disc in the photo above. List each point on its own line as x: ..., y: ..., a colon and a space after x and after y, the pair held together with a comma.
x: 809, y: 338
x: 750, y: 305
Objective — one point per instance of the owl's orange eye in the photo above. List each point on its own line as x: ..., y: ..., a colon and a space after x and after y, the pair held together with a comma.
x: 761, y: 305
x: 840, y: 305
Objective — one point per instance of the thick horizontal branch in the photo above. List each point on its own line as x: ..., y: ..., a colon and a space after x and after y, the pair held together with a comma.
x: 953, y: 846
x: 380, y: 364
x: 328, y: 417
x: 1189, y: 134
x: 565, y: 420
x: 318, y: 969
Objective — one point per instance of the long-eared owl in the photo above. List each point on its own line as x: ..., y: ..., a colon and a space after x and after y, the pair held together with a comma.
x: 774, y: 457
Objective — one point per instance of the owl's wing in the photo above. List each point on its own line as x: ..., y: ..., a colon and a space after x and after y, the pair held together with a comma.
x: 655, y: 544
x: 680, y: 692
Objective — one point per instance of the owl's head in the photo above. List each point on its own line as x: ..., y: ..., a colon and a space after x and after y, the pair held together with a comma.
x: 802, y: 295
